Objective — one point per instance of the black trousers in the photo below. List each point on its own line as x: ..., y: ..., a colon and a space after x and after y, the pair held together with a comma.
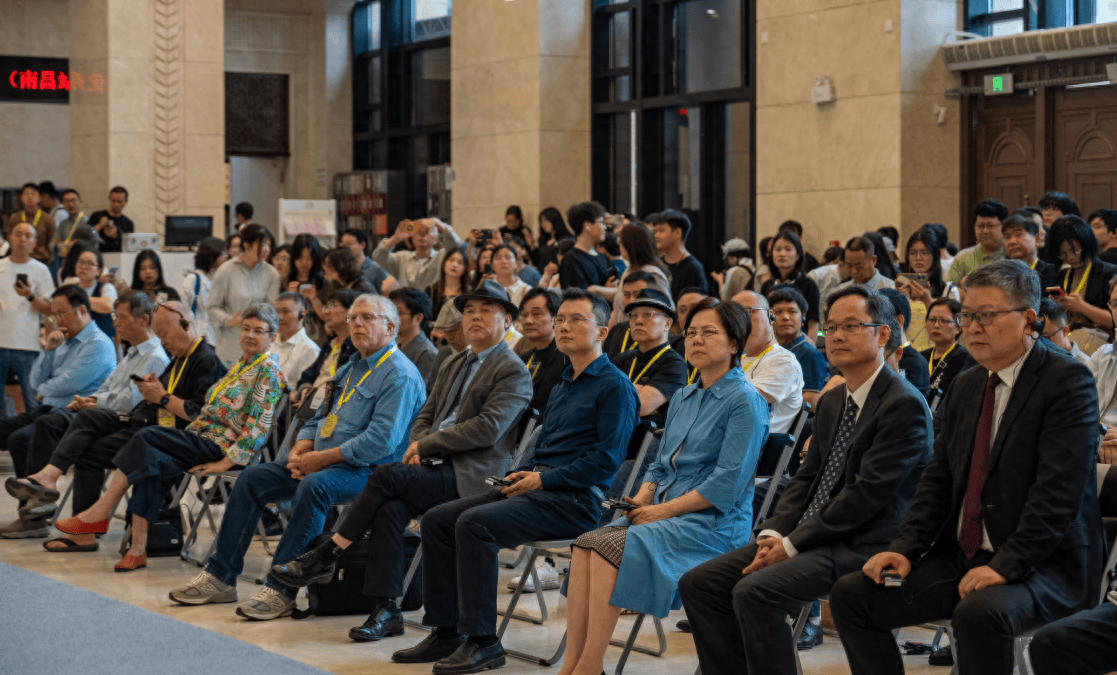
x: 1081, y: 644
x: 395, y: 493
x: 739, y: 622
x: 157, y: 456
x: 984, y: 622
x: 17, y: 434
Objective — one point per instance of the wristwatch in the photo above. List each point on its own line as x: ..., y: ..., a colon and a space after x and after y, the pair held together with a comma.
x: 165, y: 400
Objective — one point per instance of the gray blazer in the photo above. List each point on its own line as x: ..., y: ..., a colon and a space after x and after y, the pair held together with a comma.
x: 483, y: 440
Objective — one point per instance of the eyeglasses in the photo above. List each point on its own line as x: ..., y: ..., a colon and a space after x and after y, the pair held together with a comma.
x: 643, y: 315
x: 87, y: 263
x: 575, y: 320
x: 848, y: 327
x: 364, y: 317
x: 919, y: 253
x: 985, y: 318
x: 61, y: 314
x: 254, y: 332
x: 1069, y: 253
x: 705, y: 332
x: 936, y: 321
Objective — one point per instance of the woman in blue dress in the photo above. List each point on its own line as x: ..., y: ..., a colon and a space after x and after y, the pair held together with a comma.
x: 696, y: 500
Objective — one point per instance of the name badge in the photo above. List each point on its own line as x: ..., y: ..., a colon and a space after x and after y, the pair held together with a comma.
x: 166, y: 418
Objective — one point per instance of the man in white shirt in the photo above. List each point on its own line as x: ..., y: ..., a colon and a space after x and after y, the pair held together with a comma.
x: 773, y: 370
x: 25, y: 288
x: 421, y: 267
x: 295, y: 350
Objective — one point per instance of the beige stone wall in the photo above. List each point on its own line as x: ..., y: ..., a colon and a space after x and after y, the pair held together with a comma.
x: 876, y: 156
x: 520, y: 120
x: 35, y: 136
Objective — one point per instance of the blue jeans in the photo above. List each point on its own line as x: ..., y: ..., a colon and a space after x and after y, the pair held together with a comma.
x: 20, y: 361
x: 261, y: 484
x: 461, y: 540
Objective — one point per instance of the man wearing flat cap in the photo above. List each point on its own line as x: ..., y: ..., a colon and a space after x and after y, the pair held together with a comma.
x: 464, y: 433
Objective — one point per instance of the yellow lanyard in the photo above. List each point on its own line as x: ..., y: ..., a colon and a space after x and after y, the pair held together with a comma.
x: 691, y: 376
x: 537, y: 365
x: 1082, y: 283
x: 35, y: 222
x: 931, y: 361
x: 175, y: 377
x: 232, y: 376
x: 624, y: 342
x: 347, y: 393
x: 74, y: 227
x: 745, y: 367
x: 333, y: 356
x: 1034, y: 263
x: 654, y: 359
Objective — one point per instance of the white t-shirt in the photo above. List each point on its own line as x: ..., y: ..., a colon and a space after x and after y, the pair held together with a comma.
x: 779, y: 375
x: 19, y: 322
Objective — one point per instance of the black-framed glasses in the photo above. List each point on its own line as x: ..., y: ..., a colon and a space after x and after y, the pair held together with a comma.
x: 938, y: 321
x: 985, y: 318
x: 849, y: 327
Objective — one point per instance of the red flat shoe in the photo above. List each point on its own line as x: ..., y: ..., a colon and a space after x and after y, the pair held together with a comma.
x: 131, y: 562
x: 75, y: 526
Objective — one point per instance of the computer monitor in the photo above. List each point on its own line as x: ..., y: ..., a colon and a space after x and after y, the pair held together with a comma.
x: 186, y: 230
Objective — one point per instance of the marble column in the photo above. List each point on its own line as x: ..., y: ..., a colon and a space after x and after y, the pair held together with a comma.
x: 520, y: 113
x: 151, y: 114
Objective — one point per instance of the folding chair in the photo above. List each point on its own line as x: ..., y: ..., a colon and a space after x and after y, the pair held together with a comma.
x: 775, y: 466
x: 645, y: 432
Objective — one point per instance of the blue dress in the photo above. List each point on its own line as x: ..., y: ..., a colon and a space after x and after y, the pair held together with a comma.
x: 711, y: 443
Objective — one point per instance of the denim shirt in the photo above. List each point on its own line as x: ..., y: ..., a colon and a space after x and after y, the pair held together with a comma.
x: 77, y: 367
x: 118, y: 392
x: 586, y: 427
x: 374, y: 425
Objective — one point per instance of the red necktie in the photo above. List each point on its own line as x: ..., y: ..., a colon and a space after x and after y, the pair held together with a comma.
x: 971, y: 510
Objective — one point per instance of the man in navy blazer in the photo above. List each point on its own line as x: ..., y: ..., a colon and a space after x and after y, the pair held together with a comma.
x: 1004, y: 530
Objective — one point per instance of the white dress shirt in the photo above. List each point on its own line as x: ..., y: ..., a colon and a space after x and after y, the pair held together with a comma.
x: 296, y: 354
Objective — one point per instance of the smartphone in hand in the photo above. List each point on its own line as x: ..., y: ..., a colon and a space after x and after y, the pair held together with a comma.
x: 22, y: 279
x: 1055, y: 291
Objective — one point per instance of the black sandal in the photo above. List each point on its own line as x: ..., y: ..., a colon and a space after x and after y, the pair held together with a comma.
x: 70, y: 547
x: 35, y: 490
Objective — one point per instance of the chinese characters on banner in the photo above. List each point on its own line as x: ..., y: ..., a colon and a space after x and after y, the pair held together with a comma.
x: 32, y: 79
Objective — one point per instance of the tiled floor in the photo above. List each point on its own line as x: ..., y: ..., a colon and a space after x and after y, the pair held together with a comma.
x: 323, y: 642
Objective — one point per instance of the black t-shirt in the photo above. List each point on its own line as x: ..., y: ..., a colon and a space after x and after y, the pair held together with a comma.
x: 202, y: 369
x: 946, y: 368
x: 915, y: 369
x: 686, y: 273
x: 804, y: 284
x: 123, y: 226
x: 618, y: 340
x: 580, y: 269
x: 545, y: 366
x: 667, y: 373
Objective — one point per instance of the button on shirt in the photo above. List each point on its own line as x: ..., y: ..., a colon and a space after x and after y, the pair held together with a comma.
x: 373, y: 426
x: 452, y: 416
x: 296, y: 354
x: 77, y: 367
x: 118, y: 392
x: 858, y: 397
x: 1001, y: 394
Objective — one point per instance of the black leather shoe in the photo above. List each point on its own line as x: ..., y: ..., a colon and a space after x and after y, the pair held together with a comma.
x: 314, y: 565
x: 383, y: 622
x: 941, y: 657
x: 432, y: 649
x: 811, y: 637
x: 683, y: 625
x: 471, y: 658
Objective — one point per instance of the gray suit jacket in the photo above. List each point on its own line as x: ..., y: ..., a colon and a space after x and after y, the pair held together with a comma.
x: 482, y: 441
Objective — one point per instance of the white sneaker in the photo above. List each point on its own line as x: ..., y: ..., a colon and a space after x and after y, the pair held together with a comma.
x: 204, y: 589
x: 266, y: 605
x: 548, y: 576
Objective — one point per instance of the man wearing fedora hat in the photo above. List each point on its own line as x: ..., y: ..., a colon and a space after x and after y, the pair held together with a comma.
x: 465, y: 433
x: 656, y: 370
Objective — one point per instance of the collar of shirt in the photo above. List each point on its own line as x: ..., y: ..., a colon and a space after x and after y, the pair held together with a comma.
x: 989, y: 257
x: 591, y: 370
x: 546, y: 353
x: 720, y: 388
x: 862, y: 393
x: 1009, y: 373
x: 146, y: 347
x: 796, y: 342
x: 481, y: 356
x: 85, y: 333
x: 295, y: 339
x: 371, y: 361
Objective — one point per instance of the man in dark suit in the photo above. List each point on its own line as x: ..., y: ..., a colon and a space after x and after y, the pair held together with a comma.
x: 1004, y: 530
x: 872, y: 437
x: 465, y: 432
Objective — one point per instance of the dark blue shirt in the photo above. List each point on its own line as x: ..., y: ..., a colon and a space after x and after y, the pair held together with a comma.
x: 811, y: 361
x: 586, y: 427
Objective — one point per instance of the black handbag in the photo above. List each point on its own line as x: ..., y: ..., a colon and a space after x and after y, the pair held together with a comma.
x: 164, y: 535
x: 344, y: 592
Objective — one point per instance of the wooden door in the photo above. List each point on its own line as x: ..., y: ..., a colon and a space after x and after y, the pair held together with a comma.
x: 1085, y: 147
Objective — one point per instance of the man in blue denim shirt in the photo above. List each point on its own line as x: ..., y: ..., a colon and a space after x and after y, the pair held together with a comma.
x: 555, y: 495
x: 364, y: 421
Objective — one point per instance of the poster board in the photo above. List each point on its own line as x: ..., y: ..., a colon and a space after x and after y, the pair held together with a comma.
x: 308, y: 216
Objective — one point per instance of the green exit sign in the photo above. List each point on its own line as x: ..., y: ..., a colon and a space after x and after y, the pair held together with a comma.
x: 998, y: 85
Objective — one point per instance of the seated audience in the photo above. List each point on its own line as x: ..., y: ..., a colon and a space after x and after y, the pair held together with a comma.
x: 305, y: 270
x: 1056, y: 330
x: 357, y: 241
x: 514, y: 226
x: 693, y: 499
x: 620, y: 333
x: 117, y: 394
x: 421, y: 267
x: 582, y: 266
x: 555, y: 494
x: 670, y: 229
x: 228, y: 432
x: 83, y: 267
x: 739, y: 274
x: 988, y: 216
x: 947, y: 248
x: 1020, y: 236
x: 654, y: 368
x: 1004, y: 528
x: 464, y: 433
x: 210, y: 255
x: 859, y: 261
x: 281, y: 260
x: 872, y: 437
x: 885, y: 251
x: 341, y: 270
x: 829, y: 276
x: 1103, y: 365
x: 1054, y: 205
x: 242, y: 282
x: 1084, y: 282
x: 809, y: 261
x: 21, y: 309
x: 912, y: 363
x: 447, y: 328
x: 637, y: 246
x: 524, y: 269
x: 375, y: 396
x: 147, y: 276
x: 922, y: 258
x: 453, y: 282
x: 552, y: 230
x: 296, y: 351
x: 545, y: 363
x: 787, y: 256
x: 312, y: 383
x: 414, y: 308
x: 1104, y: 224
x: 687, y: 299
x: 1080, y: 643
x: 97, y: 433
x: 504, y: 273
x: 773, y: 370
x: 790, y: 309
x: 947, y: 357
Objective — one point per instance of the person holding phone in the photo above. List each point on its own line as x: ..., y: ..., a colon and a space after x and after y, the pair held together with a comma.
x: 923, y: 283
x: 25, y: 288
x: 1082, y: 288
